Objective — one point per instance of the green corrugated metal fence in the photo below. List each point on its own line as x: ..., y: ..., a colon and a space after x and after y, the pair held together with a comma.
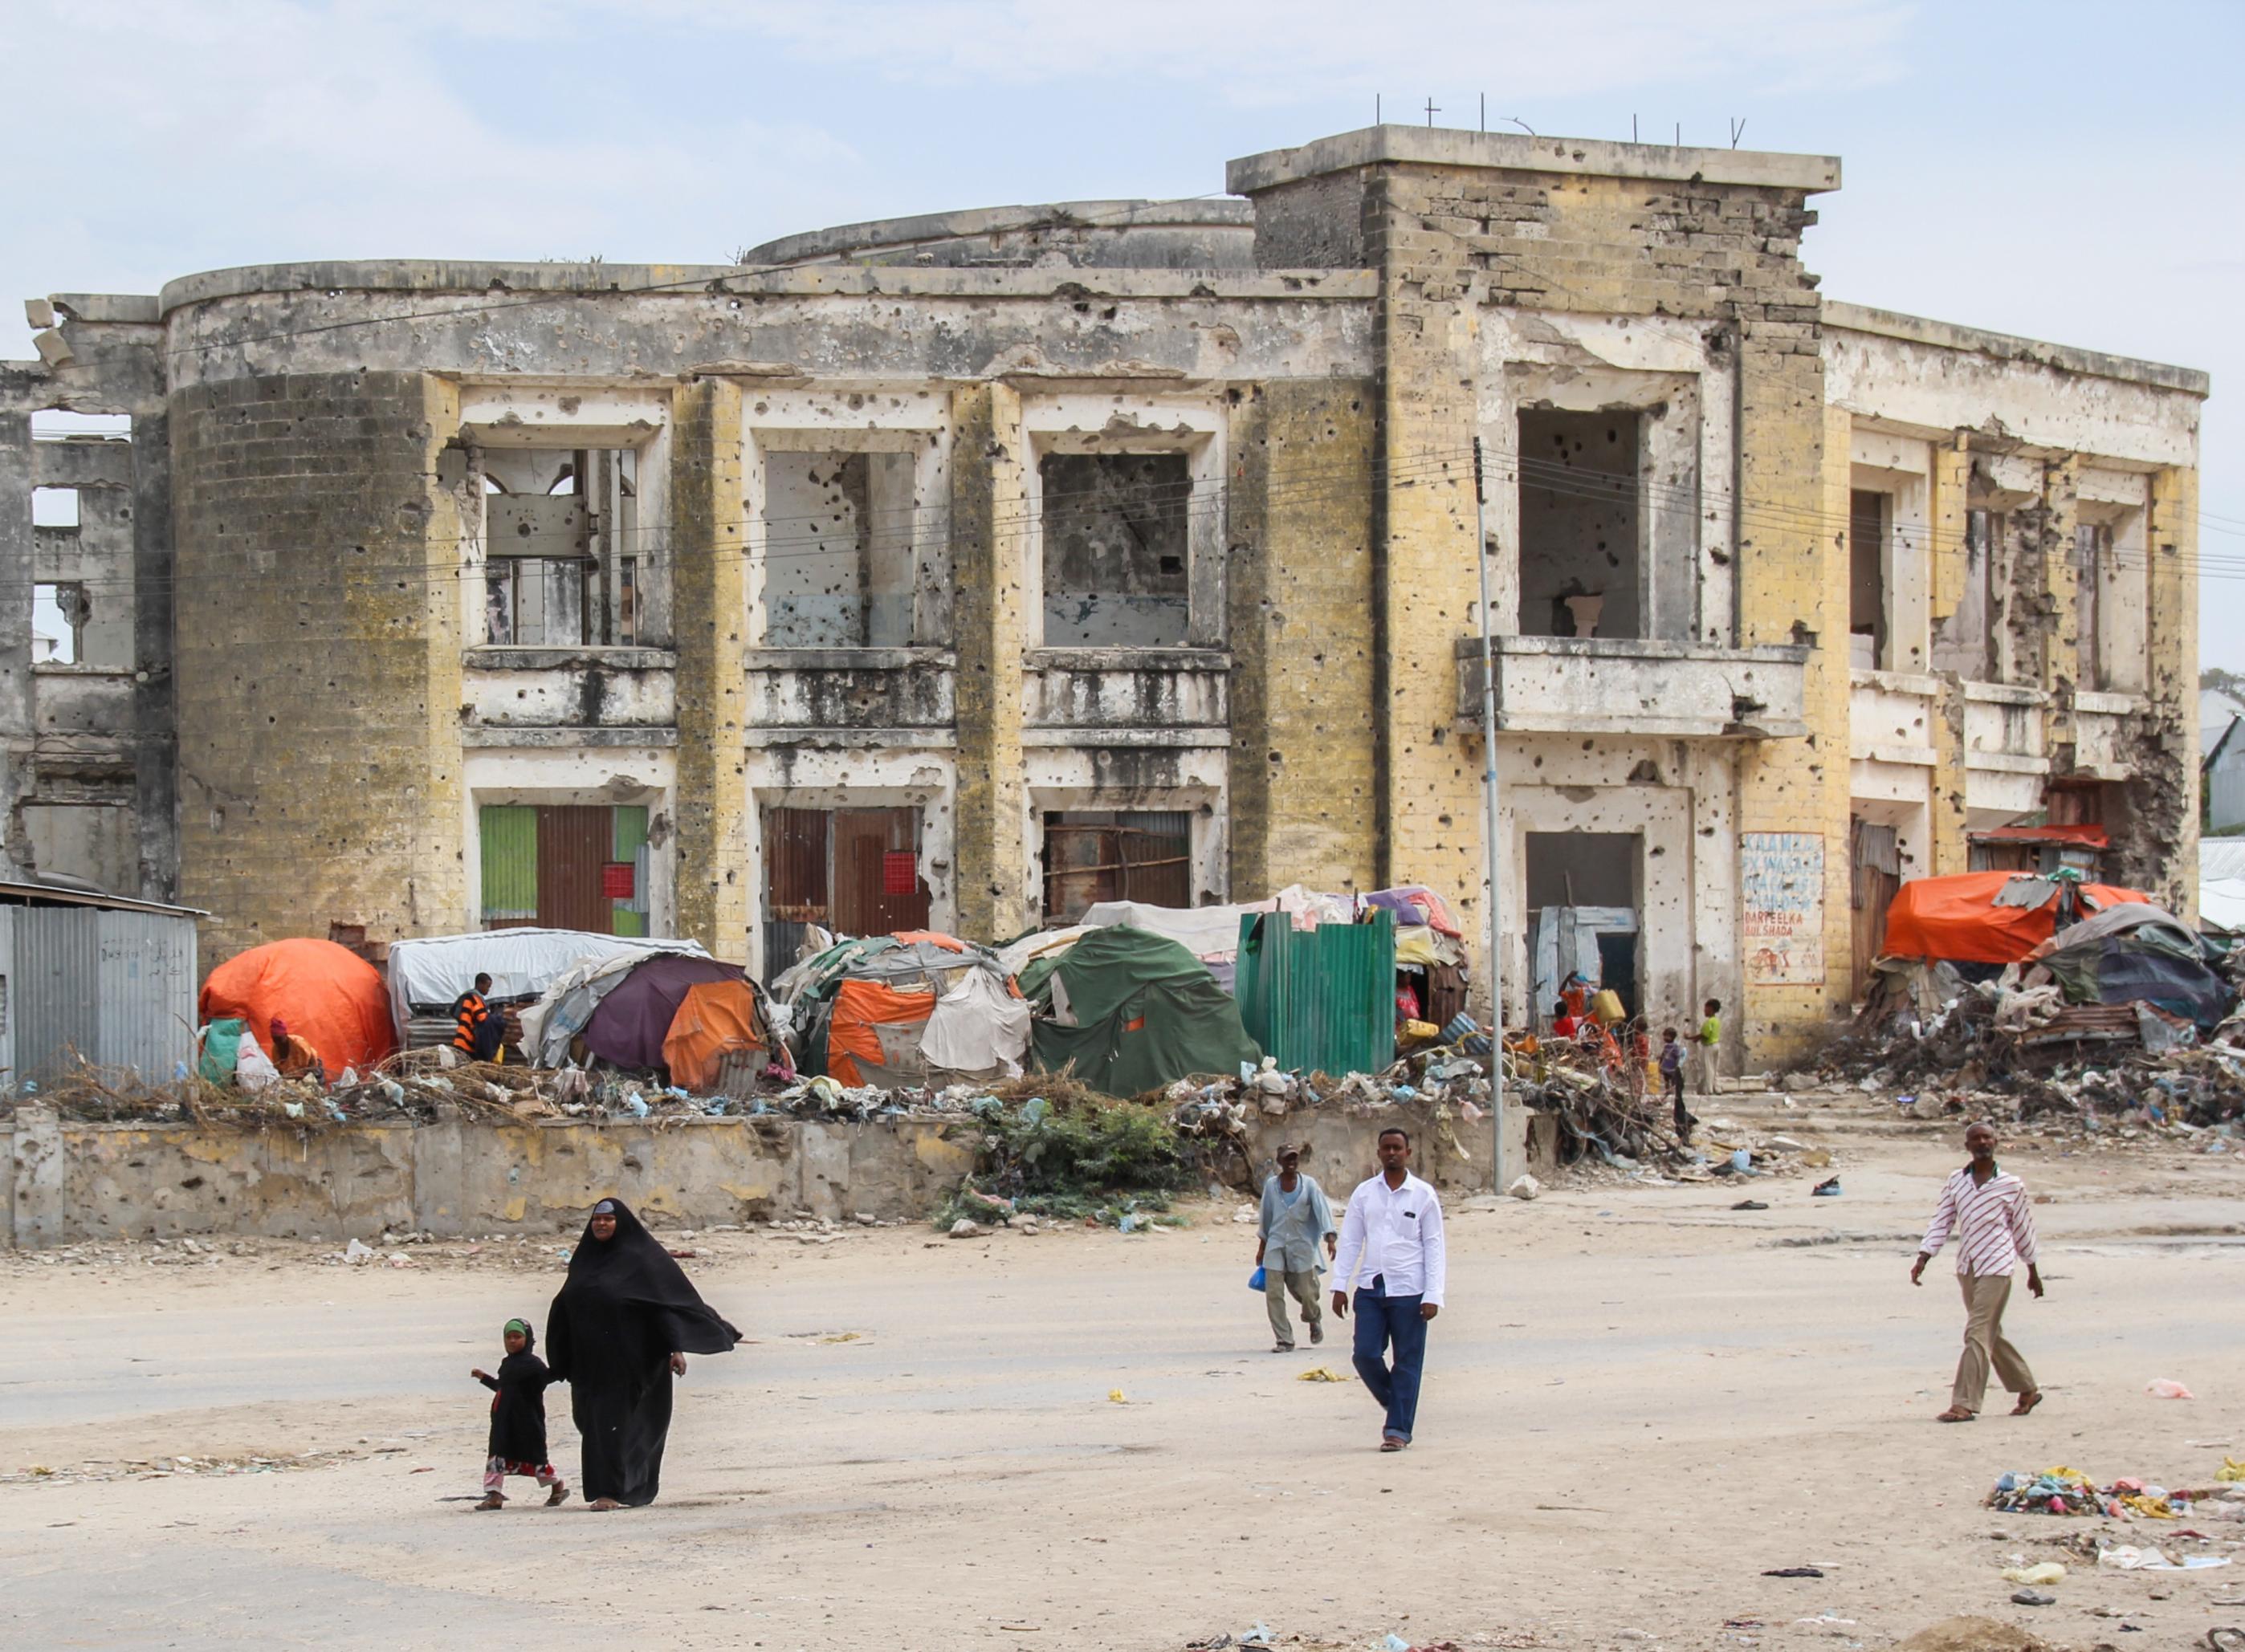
x: 1322, y: 1000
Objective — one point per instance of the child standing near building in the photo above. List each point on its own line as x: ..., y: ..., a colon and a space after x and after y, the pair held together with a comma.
x: 518, y: 1429
x: 1709, y: 1035
x: 1672, y: 1074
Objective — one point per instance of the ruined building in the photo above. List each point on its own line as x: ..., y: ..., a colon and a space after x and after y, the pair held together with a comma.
x: 959, y: 571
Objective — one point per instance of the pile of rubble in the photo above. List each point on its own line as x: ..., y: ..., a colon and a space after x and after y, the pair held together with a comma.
x: 1991, y: 1050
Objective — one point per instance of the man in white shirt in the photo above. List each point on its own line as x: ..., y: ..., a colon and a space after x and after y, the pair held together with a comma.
x: 1392, y: 1239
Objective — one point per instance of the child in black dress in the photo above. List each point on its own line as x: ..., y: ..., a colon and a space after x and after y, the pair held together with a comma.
x: 518, y: 1430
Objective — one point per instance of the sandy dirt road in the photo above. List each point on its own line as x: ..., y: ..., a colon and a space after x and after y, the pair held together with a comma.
x: 1639, y: 1401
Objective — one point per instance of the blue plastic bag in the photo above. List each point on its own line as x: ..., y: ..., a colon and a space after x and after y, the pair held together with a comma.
x: 1255, y: 1280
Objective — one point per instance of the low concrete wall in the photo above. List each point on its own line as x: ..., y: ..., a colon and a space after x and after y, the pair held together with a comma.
x: 71, y: 1183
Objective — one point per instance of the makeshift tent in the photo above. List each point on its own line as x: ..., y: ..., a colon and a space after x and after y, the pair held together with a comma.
x: 892, y: 1010
x: 1988, y: 917
x: 427, y: 975
x: 2137, y: 953
x: 1132, y: 1011
x: 629, y: 1026
x: 328, y: 995
x: 715, y: 1020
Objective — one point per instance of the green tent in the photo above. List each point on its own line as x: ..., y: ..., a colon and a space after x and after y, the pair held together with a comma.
x: 1146, y: 1012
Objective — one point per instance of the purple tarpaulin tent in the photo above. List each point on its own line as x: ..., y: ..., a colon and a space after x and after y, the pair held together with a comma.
x: 628, y: 1027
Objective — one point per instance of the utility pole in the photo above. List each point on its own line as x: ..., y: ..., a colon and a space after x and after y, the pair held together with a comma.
x: 1491, y: 828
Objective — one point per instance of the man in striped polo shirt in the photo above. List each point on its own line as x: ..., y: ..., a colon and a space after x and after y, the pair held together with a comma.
x: 1986, y: 1208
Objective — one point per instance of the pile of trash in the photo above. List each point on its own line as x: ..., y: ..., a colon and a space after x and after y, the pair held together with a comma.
x: 2002, y: 1049
x: 2068, y: 1492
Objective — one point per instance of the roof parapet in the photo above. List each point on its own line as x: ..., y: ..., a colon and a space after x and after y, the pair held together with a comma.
x: 1519, y: 152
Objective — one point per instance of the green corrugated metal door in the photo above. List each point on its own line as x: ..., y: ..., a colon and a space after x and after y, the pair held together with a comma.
x: 510, y: 856
x: 630, y: 916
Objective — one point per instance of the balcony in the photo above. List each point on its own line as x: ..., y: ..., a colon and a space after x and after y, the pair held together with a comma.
x: 542, y: 696
x: 851, y: 696
x: 1672, y: 690
x: 2100, y: 734
x: 1127, y: 696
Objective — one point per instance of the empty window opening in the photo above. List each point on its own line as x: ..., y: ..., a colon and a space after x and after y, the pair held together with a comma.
x: 838, y: 552
x: 561, y: 547
x: 57, y: 624
x: 55, y: 508
x: 2092, y: 565
x: 853, y: 871
x: 1582, y: 914
x: 1870, y: 517
x: 1581, y: 560
x: 1109, y: 855
x: 1116, y: 549
x: 56, y: 424
x: 565, y: 866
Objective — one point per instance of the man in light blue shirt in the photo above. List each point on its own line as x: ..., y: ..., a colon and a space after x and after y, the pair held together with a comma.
x: 1296, y: 1215
x: 1391, y: 1241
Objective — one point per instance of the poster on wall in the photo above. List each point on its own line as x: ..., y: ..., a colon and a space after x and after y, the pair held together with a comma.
x: 1782, y: 874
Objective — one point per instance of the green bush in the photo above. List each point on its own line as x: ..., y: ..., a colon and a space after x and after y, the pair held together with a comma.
x: 1091, y: 1150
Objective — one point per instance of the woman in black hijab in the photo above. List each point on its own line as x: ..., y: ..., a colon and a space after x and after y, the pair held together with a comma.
x: 620, y: 1329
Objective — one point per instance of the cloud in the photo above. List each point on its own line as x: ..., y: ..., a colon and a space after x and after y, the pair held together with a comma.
x: 177, y: 137
x: 1269, y: 52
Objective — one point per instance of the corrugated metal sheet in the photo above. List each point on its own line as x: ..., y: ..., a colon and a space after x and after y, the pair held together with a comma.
x: 117, y: 988
x: 863, y: 840
x: 509, y: 834
x: 1322, y: 1000
x: 146, y: 993
x: 8, y: 1011
x: 57, y: 970
x: 629, y: 916
x: 575, y: 842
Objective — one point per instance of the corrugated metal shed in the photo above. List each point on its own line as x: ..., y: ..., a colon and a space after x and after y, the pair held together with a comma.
x: 1322, y: 1000
x: 112, y: 981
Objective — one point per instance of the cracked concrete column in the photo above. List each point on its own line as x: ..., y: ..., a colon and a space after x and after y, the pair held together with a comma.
x: 990, y: 624
x: 36, y: 1166
x: 716, y: 902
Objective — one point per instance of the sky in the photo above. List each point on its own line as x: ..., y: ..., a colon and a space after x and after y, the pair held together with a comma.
x: 2066, y: 171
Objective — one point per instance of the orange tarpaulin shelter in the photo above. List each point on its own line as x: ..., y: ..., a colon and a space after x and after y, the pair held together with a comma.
x: 1959, y: 918
x: 714, y: 1019
x: 329, y: 997
x: 862, y: 1011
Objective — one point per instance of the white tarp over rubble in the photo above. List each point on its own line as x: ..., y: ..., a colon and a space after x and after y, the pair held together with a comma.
x: 522, y: 963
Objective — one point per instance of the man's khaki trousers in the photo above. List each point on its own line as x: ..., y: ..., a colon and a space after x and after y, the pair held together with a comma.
x: 1984, y: 1341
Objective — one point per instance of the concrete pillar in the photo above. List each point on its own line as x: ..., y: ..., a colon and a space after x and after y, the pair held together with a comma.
x: 988, y: 536
x: 1301, y: 639
x: 38, y: 1167
x: 2058, y: 600
x: 708, y: 564
x: 15, y: 685
x: 2163, y: 799
x: 1794, y: 794
x: 1947, y: 505
x: 1426, y: 586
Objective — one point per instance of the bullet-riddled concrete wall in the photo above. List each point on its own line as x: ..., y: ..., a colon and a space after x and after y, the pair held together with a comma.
x: 71, y: 1182
x: 318, y: 656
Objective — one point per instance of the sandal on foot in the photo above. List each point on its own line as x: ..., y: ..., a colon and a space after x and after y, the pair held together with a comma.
x: 492, y: 1500
x: 558, y: 1496
x: 1317, y: 1333
x: 1391, y: 1445
x: 2027, y: 1402
x: 1954, y: 1414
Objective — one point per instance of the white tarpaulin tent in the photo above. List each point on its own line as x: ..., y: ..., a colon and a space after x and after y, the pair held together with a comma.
x: 522, y: 963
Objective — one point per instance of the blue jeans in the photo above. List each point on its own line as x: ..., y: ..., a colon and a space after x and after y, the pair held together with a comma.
x: 1382, y: 1319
